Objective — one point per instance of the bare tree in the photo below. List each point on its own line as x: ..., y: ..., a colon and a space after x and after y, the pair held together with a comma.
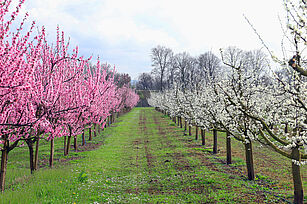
x: 161, y: 60
x: 171, y: 74
x: 145, y: 82
x: 194, y: 74
x: 209, y: 64
x: 183, y: 63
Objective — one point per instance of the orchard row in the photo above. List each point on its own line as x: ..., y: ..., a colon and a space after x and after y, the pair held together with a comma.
x: 47, y: 91
x: 250, y: 98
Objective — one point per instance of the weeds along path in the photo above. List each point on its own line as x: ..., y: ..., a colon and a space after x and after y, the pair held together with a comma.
x: 145, y: 159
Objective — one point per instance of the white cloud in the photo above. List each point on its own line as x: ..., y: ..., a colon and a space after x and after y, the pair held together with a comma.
x: 119, y: 26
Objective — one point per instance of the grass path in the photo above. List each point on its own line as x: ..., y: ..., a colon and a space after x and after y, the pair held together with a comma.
x: 145, y: 158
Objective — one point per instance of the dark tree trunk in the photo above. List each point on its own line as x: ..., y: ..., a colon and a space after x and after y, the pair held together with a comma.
x: 6, y: 148
x: 214, y: 141
x: 297, y: 179
x: 75, y: 144
x: 249, y: 160
x: 51, y: 153
x: 31, y: 154
x: 4, y: 157
x: 95, y: 134
x: 180, y: 122
x: 83, y: 138
x: 185, y: 125
x: 228, y: 148
x: 90, y: 134
x: 64, y: 145
x: 203, y: 137
x: 196, y: 134
x: 190, y: 130
x: 286, y: 128
x: 68, y: 145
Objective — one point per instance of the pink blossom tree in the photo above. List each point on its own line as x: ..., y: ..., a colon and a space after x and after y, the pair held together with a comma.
x: 19, y: 56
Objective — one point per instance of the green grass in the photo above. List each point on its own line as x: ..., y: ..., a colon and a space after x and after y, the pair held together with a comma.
x: 144, y: 158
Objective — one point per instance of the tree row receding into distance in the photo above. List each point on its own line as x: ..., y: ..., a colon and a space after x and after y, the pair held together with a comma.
x: 48, y: 91
x: 243, y: 93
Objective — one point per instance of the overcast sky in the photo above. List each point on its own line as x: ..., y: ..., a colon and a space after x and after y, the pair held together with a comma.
x: 122, y: 32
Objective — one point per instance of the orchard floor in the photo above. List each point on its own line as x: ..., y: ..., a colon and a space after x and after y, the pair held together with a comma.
x: 145, y: 158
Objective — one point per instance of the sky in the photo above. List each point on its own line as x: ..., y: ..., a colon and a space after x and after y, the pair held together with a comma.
x: 123, y: 32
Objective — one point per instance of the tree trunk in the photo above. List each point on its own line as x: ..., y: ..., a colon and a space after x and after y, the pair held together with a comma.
x: 214, y: 141
x: 68, y: 145
x: 51, y: 153
x: 228, y: 148
x: 99, y: 128
x: 185, y: 125
x: 286, y: 128
x: 4, y: 157
x: 105, y: 125
x: 190, y: 130
x: 180, y: 122
x: 161, y: 82
x: 83, y: 138
x: 64, y: 145
x: 31, y: 154
x: 203, y: 137
x: 108, y: 121
x: 36, y: 154
x: 297, y: 179
x: 249, y: 160
x: 75, y: 144
x: 90, y: 134
x: 196, y: 132
x: 95, y: 134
